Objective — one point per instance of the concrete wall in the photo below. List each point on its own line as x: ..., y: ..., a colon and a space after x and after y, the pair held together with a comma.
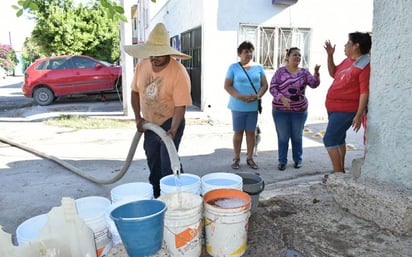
x: 220, y: 20
x: 389, y: 155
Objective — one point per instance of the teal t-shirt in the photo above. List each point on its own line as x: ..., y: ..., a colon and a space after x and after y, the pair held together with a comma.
x: 242, y: 85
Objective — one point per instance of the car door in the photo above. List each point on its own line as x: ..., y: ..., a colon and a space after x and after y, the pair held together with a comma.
x: 58, y: 75
x: 90, y: 75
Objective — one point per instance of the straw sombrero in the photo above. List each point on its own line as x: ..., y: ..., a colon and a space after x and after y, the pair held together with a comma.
x: 156, y: 45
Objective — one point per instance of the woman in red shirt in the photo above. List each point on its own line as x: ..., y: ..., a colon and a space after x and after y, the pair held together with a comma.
x: 347, y: 97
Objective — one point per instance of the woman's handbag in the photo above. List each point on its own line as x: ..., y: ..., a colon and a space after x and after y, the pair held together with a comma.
x: 251, y: 83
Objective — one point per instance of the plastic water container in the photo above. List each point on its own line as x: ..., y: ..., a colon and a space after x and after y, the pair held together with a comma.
x: 30, y: 229
x: 226, y: 214
x: 219, y: 180
x: 187, y: 182
x: 140, y: 225
x: 132, y: 192
x: 92, y: 210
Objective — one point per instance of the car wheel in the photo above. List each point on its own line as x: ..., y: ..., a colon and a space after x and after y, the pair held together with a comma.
x: 43, y: 96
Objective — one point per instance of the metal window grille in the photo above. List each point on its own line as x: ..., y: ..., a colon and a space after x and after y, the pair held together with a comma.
x: 271, y: 42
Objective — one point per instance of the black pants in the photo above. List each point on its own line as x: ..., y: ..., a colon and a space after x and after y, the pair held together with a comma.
x: 157, y: 156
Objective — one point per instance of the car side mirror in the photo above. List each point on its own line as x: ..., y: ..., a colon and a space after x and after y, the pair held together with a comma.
x: 98, y: 66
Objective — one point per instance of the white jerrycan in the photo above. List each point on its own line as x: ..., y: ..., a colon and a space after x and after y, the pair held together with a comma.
x: 64, y: 235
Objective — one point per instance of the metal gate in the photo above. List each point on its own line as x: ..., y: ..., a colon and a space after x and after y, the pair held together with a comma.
x: 191, y: 42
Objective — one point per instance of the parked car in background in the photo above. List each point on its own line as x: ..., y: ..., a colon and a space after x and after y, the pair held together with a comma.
x: 51, y: 77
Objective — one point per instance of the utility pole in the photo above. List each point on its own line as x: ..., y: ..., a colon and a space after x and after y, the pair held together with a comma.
x: 126, y: 61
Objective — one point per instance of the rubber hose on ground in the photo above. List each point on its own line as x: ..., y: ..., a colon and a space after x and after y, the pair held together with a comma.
x: 174, y: 158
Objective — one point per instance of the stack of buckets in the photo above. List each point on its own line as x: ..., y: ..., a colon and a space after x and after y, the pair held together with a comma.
x: 91, y: 209
x: 126, y: 193
x: 188, y: 202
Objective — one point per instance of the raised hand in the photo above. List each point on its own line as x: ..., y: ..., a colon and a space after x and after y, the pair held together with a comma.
x: 330, y: 50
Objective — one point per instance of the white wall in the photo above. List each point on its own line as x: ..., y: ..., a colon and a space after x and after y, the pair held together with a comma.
x: 220, y: 19
x: 389, y: 136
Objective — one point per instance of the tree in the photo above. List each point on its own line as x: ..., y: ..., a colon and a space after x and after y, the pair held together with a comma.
x: 63, y: 28
x: 30, y: 52
x: 114, y: 11
x: 8, y: 58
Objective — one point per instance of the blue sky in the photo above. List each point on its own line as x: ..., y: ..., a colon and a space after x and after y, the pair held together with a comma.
x: 16, y: 29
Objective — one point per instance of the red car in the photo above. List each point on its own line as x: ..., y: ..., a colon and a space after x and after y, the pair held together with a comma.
x: 50, y: 77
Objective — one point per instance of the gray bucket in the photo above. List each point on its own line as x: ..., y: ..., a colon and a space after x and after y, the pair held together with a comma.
x: 253, y: 184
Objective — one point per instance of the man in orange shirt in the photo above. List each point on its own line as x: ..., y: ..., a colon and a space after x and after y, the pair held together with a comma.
x: 160, y: 93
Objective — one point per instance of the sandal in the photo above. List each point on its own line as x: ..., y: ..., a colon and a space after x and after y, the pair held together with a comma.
x: 325, y: 178
x: 252, y: 164
x: 235, y: 164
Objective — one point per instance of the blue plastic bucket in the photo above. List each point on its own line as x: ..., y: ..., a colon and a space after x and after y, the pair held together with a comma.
x: 140, y: 225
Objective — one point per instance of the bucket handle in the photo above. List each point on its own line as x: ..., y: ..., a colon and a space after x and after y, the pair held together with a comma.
x: 260, y: 190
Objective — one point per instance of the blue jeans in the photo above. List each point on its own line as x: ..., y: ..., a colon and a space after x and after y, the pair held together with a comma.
x: 289, y: 125
x: 157, y: 156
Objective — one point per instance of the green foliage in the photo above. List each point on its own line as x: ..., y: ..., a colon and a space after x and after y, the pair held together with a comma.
x: 8, y: 58
x: 114, y: 11
x: 63, y: 28
x: 30, y: 52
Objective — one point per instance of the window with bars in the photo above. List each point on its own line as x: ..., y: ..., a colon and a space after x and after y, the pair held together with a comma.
x: 271, y: 43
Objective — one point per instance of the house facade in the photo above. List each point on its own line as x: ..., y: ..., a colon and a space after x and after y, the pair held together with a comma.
x: 211, y: 30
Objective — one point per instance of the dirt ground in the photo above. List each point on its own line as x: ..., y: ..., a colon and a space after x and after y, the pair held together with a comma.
x: 305, y: 221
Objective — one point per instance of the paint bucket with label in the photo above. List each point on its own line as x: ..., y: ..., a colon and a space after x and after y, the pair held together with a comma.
x: 140, y: 225
x: 226, y: 214
x: 253, y: 184
x: 92, y: 210
x: 218, y: 180
x: 183, y: 223
x: 184, y: 182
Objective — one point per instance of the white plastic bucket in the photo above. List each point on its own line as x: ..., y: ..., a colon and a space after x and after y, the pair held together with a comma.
x: 92, y: 210
x: 30, y: 229
x: 132, y: 191
x: 183, y: 223
x: 186, y: 182
x: 226, y: 214
x: 218, y: 180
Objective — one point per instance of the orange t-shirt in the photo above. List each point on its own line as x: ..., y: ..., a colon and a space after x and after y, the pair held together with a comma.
x: 160, y: 92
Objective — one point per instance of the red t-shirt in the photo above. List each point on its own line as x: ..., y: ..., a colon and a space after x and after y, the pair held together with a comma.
x: 351, y: 79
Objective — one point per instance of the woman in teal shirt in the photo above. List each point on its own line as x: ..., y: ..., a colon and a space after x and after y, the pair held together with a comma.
x: 243, y: 101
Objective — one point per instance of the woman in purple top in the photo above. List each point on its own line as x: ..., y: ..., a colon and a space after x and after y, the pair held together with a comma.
x: 289, y: 105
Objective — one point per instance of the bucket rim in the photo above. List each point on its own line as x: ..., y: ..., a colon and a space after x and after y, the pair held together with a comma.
x: 225, y: 174
x: 196, y: 177
x: 138, y: 218
x: 227, y: 192
x: 121, y: 187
